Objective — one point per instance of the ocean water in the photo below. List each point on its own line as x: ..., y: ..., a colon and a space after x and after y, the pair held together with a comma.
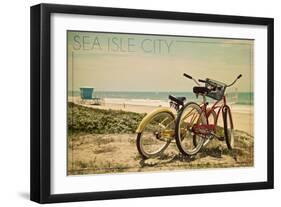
x: 241, y: 98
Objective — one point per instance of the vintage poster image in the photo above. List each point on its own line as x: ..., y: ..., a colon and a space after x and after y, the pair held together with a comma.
x: 143, y: 102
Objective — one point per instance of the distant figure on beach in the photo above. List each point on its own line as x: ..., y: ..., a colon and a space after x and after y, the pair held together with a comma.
x: 124, y: 105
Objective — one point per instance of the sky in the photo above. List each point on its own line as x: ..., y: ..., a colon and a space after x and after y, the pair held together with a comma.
x: 141, y: 62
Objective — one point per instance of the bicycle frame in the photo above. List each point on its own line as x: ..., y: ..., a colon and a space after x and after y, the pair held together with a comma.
x: 221, y: 109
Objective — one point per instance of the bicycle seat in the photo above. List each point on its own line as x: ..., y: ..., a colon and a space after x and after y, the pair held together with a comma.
x: 200, y: 89
x: 178, y: 100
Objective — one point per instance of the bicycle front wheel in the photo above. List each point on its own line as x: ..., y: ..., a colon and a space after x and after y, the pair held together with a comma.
x: 190, y: 116
x: 228, y: 128
x: 156, y: 135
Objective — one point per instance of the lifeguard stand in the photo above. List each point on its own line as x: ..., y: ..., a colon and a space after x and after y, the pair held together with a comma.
x: 86, y: 94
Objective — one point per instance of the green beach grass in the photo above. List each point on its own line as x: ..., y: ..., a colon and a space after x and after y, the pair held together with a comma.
x: 82, y: 119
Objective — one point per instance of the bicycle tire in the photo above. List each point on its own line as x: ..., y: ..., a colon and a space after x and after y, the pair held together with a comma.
x: 178, y: 137
x: 142, y: 151
x: 228, y: 128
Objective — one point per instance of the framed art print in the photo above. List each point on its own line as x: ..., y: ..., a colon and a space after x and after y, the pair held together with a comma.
x: 133, y: 103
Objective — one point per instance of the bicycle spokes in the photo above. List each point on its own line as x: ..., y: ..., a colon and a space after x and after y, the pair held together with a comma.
x: 191, y: 116
x: 156, y: 135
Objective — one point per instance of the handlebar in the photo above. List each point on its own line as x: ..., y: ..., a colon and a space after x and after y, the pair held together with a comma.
x: 204, y: 81
x: 238, y: 77
x: 188, y: 76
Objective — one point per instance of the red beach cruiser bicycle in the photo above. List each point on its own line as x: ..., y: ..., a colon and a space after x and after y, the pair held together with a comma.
x: 193, y: 126
x: 197, y: 124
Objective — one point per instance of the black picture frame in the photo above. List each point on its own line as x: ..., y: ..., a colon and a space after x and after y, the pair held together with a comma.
x: 41, y: 102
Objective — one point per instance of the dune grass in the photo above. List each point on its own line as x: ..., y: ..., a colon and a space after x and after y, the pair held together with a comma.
x: 82, y: 119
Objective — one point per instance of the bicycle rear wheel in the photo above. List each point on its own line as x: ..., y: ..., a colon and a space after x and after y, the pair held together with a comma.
x: 190, y: 116
x: 156, y: 135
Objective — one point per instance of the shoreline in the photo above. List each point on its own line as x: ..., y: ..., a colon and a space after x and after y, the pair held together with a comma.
x: 146, y: 105
x: 243, y: 115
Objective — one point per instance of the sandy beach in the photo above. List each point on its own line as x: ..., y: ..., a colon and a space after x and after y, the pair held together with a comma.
x: 104, y: 141
x: 243, y: 115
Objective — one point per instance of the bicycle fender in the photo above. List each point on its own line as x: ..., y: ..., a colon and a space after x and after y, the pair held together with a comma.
x: 146, y: 119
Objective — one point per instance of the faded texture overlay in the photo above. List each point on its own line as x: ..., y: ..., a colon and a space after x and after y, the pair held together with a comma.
x: 129, y: 75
